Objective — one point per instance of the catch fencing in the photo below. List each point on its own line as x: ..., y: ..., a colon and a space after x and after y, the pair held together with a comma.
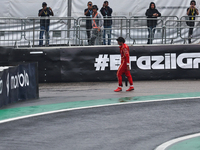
x: 68, y: 31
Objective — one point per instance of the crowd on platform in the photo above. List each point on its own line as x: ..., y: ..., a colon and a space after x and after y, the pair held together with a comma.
x: 99, y: 24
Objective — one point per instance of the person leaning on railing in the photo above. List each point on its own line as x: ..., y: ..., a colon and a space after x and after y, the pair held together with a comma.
x: 191, y: 11
x: 153, y: 13
x: 97, y: 27
x: 44, y: 23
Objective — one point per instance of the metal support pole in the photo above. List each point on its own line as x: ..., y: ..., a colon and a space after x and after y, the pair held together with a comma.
x: 69, y: 14
x: 121, y: 28
x: 33, y: 32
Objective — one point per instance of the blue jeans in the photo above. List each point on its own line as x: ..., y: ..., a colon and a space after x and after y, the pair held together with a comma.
x: 46, y: 30
x: 151, y: 34
x: 107, y: 30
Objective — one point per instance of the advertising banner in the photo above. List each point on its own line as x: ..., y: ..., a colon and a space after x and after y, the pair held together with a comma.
x: 147, y: 63
x: 18, y: 83
x: 28, y: 81
x: 4, y: 87
x: 100, y: 63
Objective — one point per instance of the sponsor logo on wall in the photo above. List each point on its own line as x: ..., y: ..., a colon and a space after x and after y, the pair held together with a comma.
x: 19, y: 80
x: 16, y: 81
x: 19, y: 83
x: 157, y: 62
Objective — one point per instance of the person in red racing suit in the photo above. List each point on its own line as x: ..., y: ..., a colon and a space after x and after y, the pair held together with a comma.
x: 124, y: 68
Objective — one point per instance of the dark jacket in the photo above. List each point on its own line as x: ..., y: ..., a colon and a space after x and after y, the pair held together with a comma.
x: 192, y: 13
x: 149, y: 13
x: 45, y: 22
x: 89, y: 21
x: 107, y: 13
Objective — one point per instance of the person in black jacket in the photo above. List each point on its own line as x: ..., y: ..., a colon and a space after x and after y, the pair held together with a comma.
x: 44, y: 23
x: 88, y: 13
x: 191, y: 11
x: 106, y: 11
x: 152, y: 13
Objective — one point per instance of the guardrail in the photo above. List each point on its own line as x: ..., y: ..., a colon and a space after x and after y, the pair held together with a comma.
x: 119, y: 28
x: 68, y: 31
x: 180, y: 29
x: 140, y: 33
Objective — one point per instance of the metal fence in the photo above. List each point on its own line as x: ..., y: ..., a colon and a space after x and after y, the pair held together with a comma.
x: 68, y: 31
x: 119, y: 28
x: 26, y: 31
x: 61, y: 30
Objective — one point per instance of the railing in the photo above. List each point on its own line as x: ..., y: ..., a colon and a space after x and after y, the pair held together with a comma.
x: 67, y: 31
x: 11, y: 30
x: 119, y: 28
x: 138, y: 30
x: 179, y: 30
x: 61, y: 30
x: 26, y: 31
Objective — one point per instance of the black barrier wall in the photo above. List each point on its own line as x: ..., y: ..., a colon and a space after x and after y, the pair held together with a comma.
x: 19, y: 83
x: 75, y: 64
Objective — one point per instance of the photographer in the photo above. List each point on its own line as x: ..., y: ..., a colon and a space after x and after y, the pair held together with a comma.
x: 88, y: 13
x: 106, y: 11
x: 191, y: 11
x: 44, y: 23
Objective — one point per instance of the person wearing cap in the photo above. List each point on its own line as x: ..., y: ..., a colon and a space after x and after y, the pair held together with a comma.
x: 88, y: 13
x: 192, y: 11
x: 44, y: 23
x: 97, y: 27
x: 106, y: 11
x: 124, y: 68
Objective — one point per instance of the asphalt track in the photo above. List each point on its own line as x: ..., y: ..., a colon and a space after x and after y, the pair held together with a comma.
x: 122, y: 125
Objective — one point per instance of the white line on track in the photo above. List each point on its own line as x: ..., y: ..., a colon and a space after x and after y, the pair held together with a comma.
x: 161, y: 147
x: 78, y: 108
x: 165, y: 145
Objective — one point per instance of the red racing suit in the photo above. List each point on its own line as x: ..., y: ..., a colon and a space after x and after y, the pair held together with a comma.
x: 124, y: 50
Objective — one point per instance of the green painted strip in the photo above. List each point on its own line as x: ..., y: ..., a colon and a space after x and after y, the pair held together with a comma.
x: 24, y: 111
x: 190, y: 144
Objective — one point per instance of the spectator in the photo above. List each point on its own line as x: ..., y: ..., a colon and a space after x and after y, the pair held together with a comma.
x: 44, y: 23
x: 106, y: 11
x: 152, y: 13
x: 88, y: 13
x: 191, y: 11
x: 97, y: 26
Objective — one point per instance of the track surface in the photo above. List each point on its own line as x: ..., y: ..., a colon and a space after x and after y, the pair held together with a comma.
x: 69, y: 92
x: 141, y: 126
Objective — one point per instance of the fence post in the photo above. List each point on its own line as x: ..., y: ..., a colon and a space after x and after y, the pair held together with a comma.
x: 33, y: 32
x: 163, y: 33
x: 121, y: 28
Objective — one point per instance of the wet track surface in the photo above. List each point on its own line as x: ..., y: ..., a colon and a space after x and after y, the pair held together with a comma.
x: 141, y: 126
x: 69, y: 92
